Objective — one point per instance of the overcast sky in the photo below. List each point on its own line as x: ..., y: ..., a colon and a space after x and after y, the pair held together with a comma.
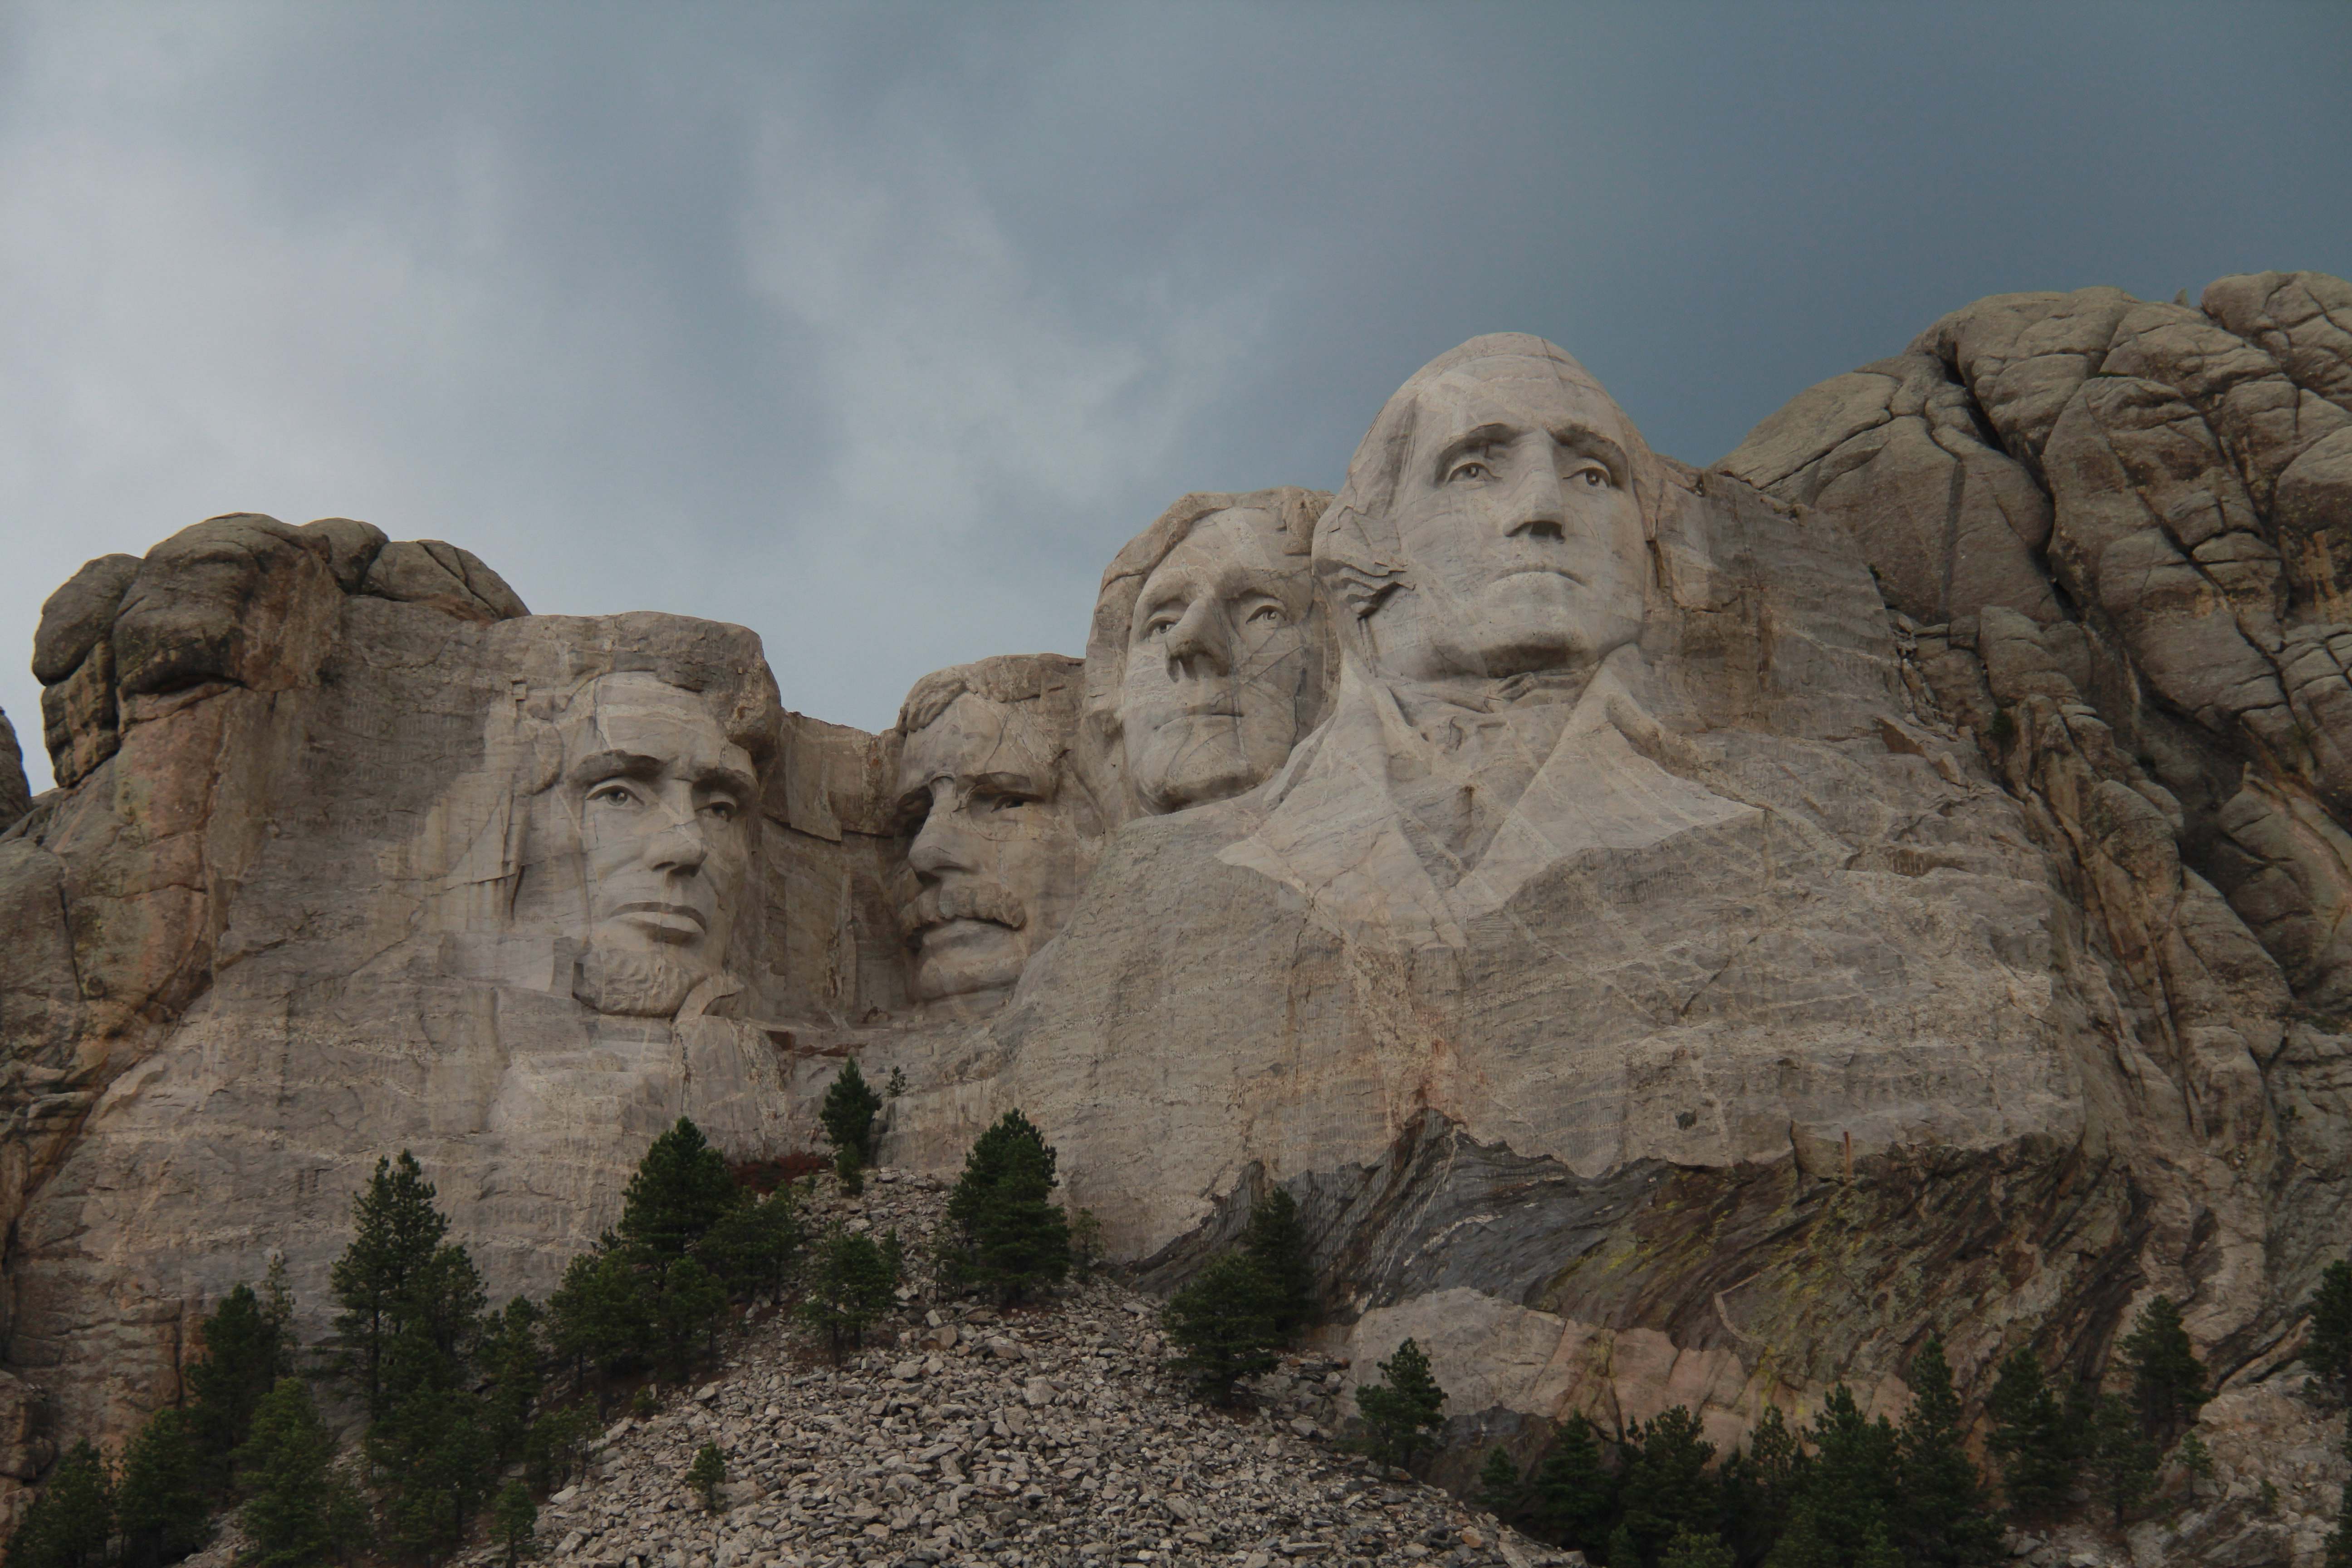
x: 878, y: 329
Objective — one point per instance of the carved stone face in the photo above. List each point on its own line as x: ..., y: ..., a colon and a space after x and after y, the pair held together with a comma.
x: 1216, y: 661
x: 1517, y: 515
x: 995, y: 857
x: 662, y: 802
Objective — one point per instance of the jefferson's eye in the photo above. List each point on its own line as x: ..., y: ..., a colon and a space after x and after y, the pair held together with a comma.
x: 1265, y: 613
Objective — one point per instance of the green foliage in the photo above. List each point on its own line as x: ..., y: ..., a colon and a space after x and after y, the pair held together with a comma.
x: 1007, y: 1237
x: 396, y: 1234
x: 1402, y: 1406
x: 2033, y: 1438
x: 687, y: 1312
x: 1570, y: 1494
x: 434, y: 1452
x: 1087, y: 1254
x: 1761, y: 1486
x: 2339, y: 1540
x: 514, y: 1360
x: 297, y: 1511
x: 1502, y: 1491
x: 1801, y: 1545
x: 514, y: 1523
x: 1851, y: 1483
x: 1942, y: 1517
x: 1664, y: 1490
x: 898, y: 1084
x: 752, y: 1246
x: 69, y: 1523
x: 1695, y: 1548
x: 2328, y: 1351
x: 847, y: 1116
x: 598, y: 1320
x: 557, y: 1446
x: 850, y: 1169
x: 681, y: 1189
x: 2168, y: 1384
x: 706, y: 1475
x: 160, y: 1504
x: 242, y: 1362
x: 1277, y: 1242
x: 1623, y: 1552
x: 1222, y: 1325
x: 2123, y: 1459
x: 850, y: 1286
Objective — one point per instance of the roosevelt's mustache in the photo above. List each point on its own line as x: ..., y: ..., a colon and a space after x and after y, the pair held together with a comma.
x: 965, y: 900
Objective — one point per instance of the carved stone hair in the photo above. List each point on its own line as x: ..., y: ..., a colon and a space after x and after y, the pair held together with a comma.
x: 1357, y: 557
x: 1048, y: 680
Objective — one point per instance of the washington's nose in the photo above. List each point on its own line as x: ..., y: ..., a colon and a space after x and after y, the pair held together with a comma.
x: 1535, y: 510
x: 1197, y: 644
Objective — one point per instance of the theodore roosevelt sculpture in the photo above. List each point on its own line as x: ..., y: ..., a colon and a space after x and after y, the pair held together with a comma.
x: 995, y: 819
x: 1209, y: 655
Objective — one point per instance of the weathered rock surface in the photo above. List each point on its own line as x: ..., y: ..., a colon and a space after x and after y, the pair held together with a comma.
x: 1684, y: 937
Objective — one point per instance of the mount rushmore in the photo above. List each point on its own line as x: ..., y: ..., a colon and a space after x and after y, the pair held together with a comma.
x: 1684, y: 936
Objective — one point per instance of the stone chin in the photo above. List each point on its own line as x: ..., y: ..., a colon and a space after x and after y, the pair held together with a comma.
x: 960, y: 957
x: 630, y: 981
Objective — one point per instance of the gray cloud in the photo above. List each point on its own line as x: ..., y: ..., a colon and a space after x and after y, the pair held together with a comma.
x: 878, y: 330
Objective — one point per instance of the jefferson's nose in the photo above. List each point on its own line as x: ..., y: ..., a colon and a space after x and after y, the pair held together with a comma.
x: 1197, y: 644
x: 1534, y: 507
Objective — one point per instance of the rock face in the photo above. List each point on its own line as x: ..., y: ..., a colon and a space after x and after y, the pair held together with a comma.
x: 1683, y: 936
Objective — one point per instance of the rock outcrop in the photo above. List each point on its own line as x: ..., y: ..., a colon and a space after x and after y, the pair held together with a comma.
x: 1684, y: 936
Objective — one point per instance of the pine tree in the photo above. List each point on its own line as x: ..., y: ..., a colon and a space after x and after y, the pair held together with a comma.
x: 1222, y: 1326
x: 2123, y: 1460
x: 847, y: 1115
x: 395, y: 1235
x: 515, y: 1362
x: 435, y: 1453
x: 1572, y: 1493
x: 681, y: 1190
x: 1623, y: 1552
x: 297, y: 1511
x: 557, y: 1446
x: 1402, y: 1405
x: 688, y: 1311
x: 2328, y: 1351
x: 71, y: 1522
x: 1800, y: 1545
x: 514, y: 1523
x: 1664, y: 1487
x: 599, y: 1319
x: 1850, y: 1485
x: 2339, y: 1540
x: 1277, y: 1242
x: 851, y: 1286
x: 1502, y: 1491
x: 750, y: 1247
x: 1761, y: 1486
x: 161, y: 1506
x: 1009, y: 1237
x: 1942, y: 1517
x: 706, y: 1475
x: 240, y: 1363
x: 2168, y: 1384
x: 2033, y: 1438
x: 1692, y: 1549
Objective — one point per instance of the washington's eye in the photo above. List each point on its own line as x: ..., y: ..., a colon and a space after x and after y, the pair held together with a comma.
x: 1594, y: 476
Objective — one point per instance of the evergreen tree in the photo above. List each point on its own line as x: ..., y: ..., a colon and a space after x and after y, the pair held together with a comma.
x: 2328, y: 1351
x: 2123, y: 1460
x: 598, y: 1319
x: 1878, y: 1550
x: 515, y: 1362
x: 688, y: 1311
x: 1222, y: 1326
x: 750, y: 1247
x: 847, y: 1116
x: 1690, y: 1548
x: 1801, y: 1545
x: 1277, y: 1242
x: 1942, y: 1517
x: 681, y: 1190
x: 557, y: 1446
x: 1850, y: 1485
x: 161, y: 1506
x: 1663, y: 1488
x: 2339, y: 1540
x: 851, y: 1286
x: 395, y: 1235
x: 514, y: 1523
x: 2168, y: 1383
x: 1623, y: 1552
x: 1761, y: 1486
x: 1009, y: 1237
x: 849, y: 1169
x: 1502, y: 1491
x: 69, y: 1525
x: 1572, y: 1493
x: 706, y: 1475
x: 434, y: 1451
x: 297, y: 1511
x: 241, y: 1363
x: 1402, y: 1405
x: 2033, y: 1438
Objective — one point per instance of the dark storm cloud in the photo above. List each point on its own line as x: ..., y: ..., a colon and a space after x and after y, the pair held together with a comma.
x: 878, y: 330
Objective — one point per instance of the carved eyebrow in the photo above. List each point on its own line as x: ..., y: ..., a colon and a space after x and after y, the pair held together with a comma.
x: 615, y: 765
x: 1592, y: 442
x: 1009, y: 783
x: 1470, y: 440
x: 735, y: 780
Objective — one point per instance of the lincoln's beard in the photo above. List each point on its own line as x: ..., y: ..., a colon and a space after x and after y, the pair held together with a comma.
x: 632, y: 982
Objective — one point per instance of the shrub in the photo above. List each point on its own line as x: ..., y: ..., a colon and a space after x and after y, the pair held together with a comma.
x: 847, y: 1116
x: 1222, y: 1326
x: 850, y: 1286
x: 1008, y: 1238
x: 706, y: 1475
x: 1402, y: 1407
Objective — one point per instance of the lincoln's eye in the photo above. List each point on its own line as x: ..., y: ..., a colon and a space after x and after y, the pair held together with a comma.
x: 614, y: 794
x: 721, y: 808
